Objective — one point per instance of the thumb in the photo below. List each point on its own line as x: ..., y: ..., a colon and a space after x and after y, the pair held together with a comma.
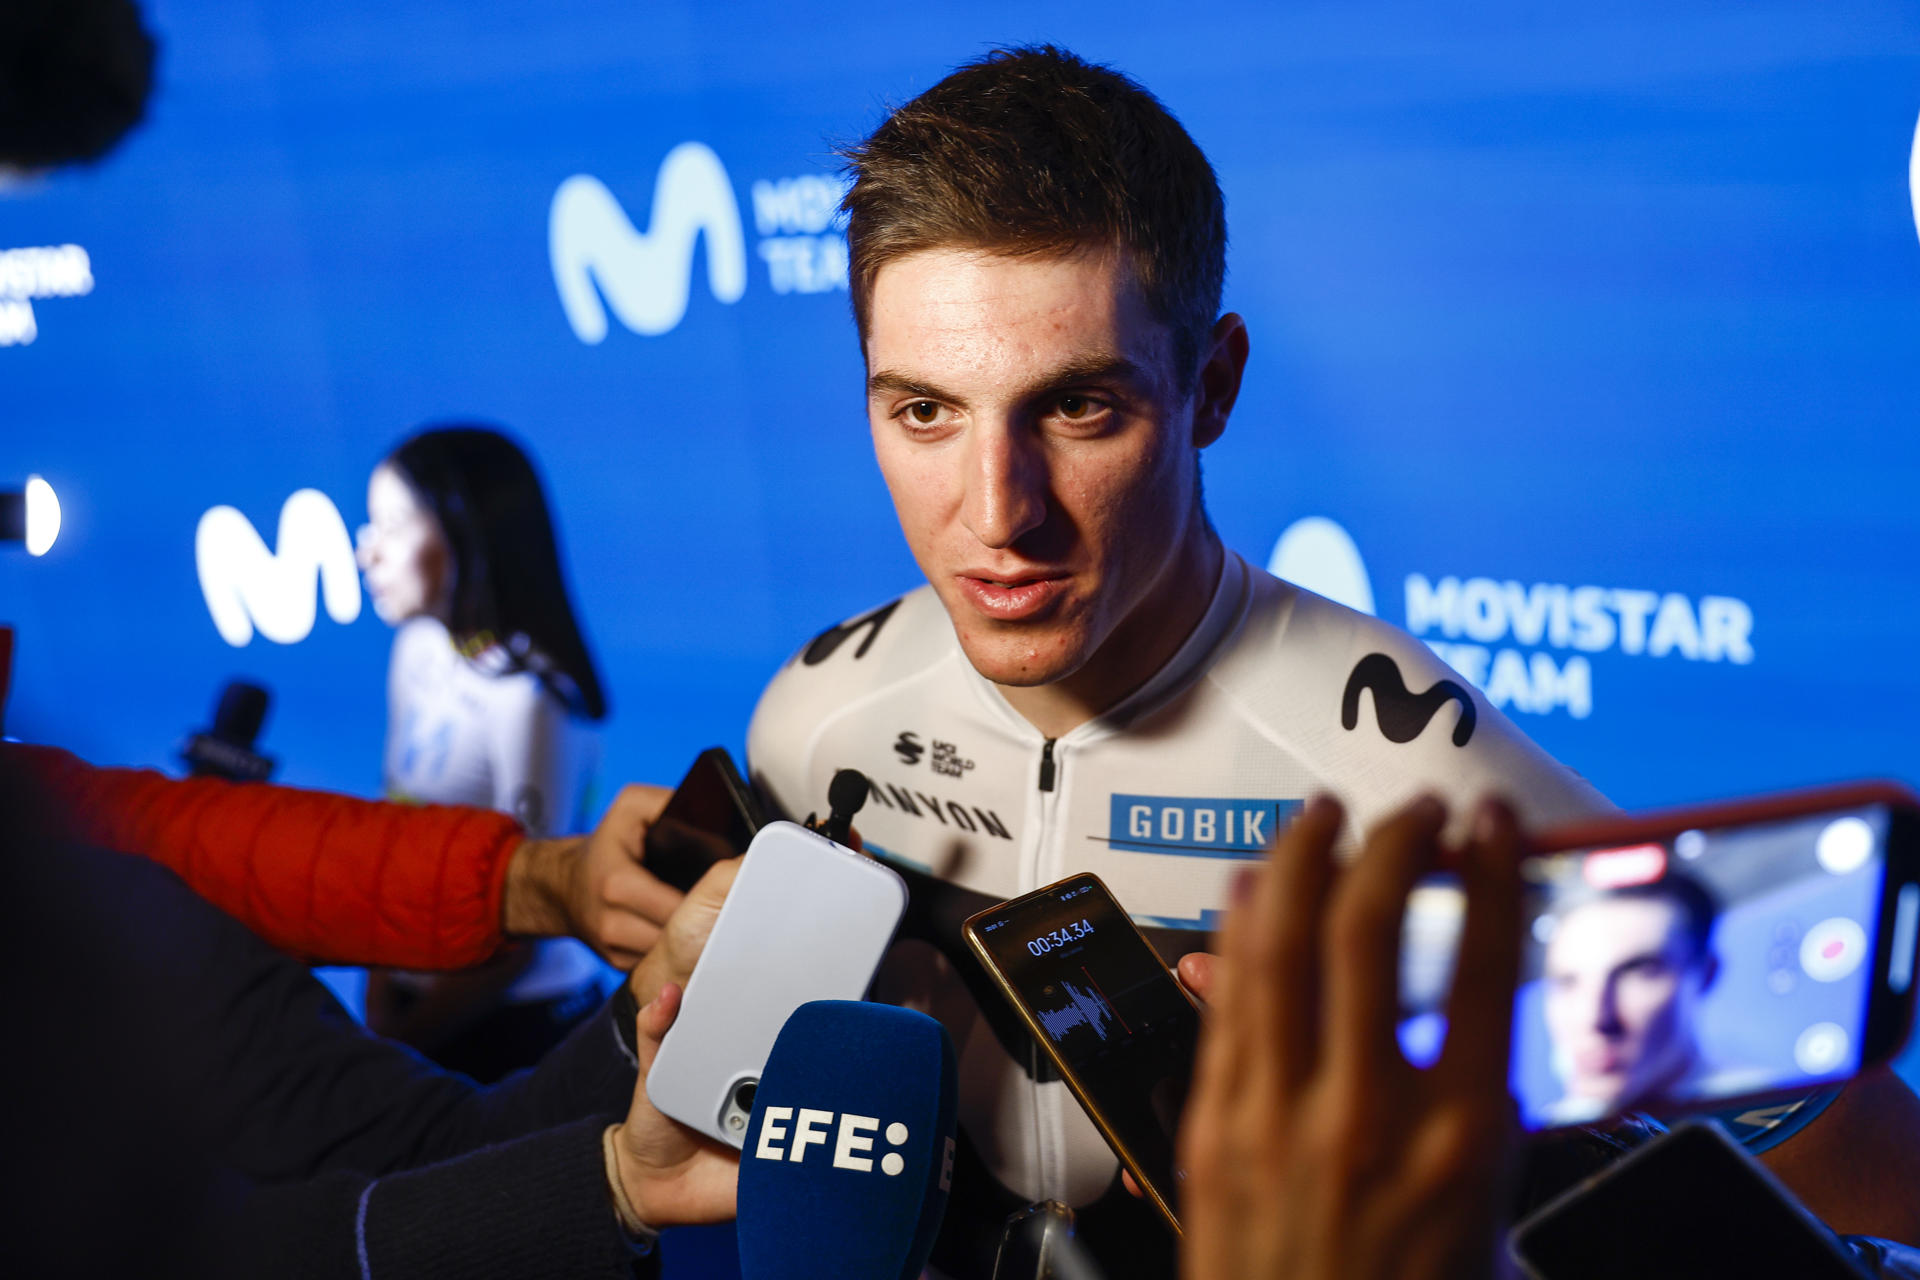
x: 713, y: 886
x: 1198, y: 970
x: 652, y: 1022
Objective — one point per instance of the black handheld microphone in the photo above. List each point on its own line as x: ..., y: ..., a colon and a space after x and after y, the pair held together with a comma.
x: 226, y: 750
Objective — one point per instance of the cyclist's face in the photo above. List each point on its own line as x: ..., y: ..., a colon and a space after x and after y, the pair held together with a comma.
x: 1031, y: 426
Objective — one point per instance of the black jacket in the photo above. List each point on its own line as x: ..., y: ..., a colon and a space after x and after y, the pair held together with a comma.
x: 188, y: 1100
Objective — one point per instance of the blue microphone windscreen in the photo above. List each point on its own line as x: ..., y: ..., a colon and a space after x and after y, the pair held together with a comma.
x: 849, y: 1151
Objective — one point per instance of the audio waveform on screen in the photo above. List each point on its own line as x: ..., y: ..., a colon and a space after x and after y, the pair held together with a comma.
x: 1081, y: 1007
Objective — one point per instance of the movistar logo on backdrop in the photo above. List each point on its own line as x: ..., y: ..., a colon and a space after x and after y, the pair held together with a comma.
x: 601, y: 260
x: 249, y: 587
x: 1913, y: 177
x: 1523, y: 644
x: 645, y: 276
x: 27, y: 275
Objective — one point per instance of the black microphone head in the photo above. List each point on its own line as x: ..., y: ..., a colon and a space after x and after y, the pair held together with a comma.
x: 226, y: 749
x: 847, y: 793
x: 238, y: 715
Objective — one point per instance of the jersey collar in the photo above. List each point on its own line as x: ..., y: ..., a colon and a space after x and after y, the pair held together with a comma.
x: 1223, y: 616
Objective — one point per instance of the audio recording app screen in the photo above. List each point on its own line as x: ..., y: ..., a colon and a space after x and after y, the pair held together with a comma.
x: 1106, y: 1003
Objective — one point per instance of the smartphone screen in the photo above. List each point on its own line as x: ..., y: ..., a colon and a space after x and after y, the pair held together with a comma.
x: 1673, y: 973
x: 1689, y: 1204
x: 711, y: 816
x: 1121, y: 1028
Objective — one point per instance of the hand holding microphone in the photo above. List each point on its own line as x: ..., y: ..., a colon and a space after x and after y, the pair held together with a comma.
x: 849, y: 1154
x: 669, y: 1175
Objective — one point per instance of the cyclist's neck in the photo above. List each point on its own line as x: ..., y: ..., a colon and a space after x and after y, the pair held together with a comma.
x: 1144, y: 642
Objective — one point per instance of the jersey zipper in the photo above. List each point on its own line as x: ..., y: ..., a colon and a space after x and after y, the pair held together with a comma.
x: 1048, y: 1152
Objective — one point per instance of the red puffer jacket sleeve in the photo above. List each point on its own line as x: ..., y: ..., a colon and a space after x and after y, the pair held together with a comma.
x: 325, y: 877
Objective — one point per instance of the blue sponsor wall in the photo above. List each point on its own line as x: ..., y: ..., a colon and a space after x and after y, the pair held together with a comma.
x: 1592, y: 334
x: 1540, y: 303
x: 1587, y: 336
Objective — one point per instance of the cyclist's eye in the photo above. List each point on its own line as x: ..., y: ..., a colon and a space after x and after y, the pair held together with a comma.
x: 923, y: 412
x: 1075, y: 407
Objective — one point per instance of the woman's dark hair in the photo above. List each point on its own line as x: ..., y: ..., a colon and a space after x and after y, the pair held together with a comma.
x: 507, y: 581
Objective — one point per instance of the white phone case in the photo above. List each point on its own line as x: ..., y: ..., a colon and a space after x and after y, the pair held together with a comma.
x: 806, y: 919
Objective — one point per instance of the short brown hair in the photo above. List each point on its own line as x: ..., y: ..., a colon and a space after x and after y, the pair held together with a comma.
x: 1032, y: 151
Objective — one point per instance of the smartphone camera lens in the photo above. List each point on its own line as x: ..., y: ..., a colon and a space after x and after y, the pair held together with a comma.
x: 743, y: 1096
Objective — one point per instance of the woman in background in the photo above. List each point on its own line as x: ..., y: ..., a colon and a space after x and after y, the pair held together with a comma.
x: 490, y: 693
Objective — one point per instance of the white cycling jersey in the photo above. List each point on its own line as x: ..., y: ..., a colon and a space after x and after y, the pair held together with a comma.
x: 1277, y: 695
x: 479, y: 731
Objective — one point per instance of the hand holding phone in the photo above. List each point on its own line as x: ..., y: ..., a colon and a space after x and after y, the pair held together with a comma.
x: 806, y: 919
x: 1696, y: 959
x: 1312, y: 1148
x: 712, y: 815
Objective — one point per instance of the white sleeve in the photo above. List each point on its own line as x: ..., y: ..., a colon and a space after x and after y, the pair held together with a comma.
x: 1383, y: 720
x: 1462, y: 749
x: 777, y: 745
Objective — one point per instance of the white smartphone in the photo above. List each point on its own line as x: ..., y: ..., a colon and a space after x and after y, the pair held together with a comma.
x: 806, y: 919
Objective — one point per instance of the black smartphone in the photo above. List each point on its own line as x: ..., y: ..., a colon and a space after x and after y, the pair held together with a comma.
x: 1690, y: 960
x: 1102, y: 1003
x: 1689, y: 1204
x: 711, y: 816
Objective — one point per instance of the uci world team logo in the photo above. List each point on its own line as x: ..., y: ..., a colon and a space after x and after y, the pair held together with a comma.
x: 1528, y: 646
x: 602, y: 262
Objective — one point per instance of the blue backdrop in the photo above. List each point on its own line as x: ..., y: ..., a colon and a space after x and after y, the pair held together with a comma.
x: 1593, y: 335
x: 1592, y: 332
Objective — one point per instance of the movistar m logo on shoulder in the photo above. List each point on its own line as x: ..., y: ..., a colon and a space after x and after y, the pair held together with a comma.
x: 1195, y: 827
x: 249, y: 587
x: 600, y: 259
x: 1402, y: 714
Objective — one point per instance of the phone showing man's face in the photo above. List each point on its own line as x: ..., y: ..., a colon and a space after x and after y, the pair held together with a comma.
x: 1690, y: 962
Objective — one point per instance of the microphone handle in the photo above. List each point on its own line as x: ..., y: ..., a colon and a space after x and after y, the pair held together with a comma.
x: 1071, y: 1261
x: 1039, y: 1244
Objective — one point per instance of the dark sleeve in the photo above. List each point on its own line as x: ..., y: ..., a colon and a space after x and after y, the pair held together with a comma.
x: 537, y: 1206
x: 282, y: 1082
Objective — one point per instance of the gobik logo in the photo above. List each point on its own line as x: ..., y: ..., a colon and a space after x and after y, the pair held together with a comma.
x: 1525, y: 645
x: 249, y: 587
x: 601, y: 260
x: 853, y: 1137
x: 1195, y: 826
